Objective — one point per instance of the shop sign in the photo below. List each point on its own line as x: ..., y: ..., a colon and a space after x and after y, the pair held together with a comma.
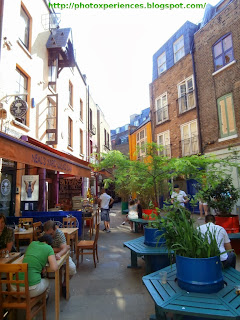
x: 18, y: 108
x: 50, y: 163
x: 5, y: 187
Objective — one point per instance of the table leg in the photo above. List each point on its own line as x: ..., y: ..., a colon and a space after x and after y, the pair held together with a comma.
x: 133, y: 260
x: 76, y: 241
x: 57, y: 295
x: 67, y: 278
x: 136, y: 227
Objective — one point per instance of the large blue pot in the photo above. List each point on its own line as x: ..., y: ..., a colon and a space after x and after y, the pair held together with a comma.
x: 202, y: 275
x: 151, y: 235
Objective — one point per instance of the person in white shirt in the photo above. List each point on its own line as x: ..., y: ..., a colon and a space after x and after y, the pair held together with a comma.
x: 104, y: 201
x: 179, y: 196
x: 228, y: 259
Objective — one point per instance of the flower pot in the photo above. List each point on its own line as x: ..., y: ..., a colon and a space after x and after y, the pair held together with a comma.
x: 151, y: 235
x: 203, y: 275
x: 148, y: 212
x: 230, y: 224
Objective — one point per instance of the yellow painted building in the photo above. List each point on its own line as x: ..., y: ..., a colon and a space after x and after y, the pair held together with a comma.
x: 138, y: 137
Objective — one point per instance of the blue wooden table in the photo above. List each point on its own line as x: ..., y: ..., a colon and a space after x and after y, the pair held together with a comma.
x: 224, y: 304
x: 138, y: 222
x: 155, y: 257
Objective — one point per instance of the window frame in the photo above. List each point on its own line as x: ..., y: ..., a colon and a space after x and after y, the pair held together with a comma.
x: 190, y: 138
x: 185, y: 81
x: 80, y: 141
x: 160, y: 98
x: 223, y: 52
x: 165, y: 152
x: 175, y: 52
x: 70, y: 94
x: 81, y: 110
x: 20, y: 71
x: 28, y: 28
x: 70, y: 133
x: 164, y: 63
x: 140, y: 141
x: 222, y: 135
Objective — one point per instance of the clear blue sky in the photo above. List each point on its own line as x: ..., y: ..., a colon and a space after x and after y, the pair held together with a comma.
x: 114, y: 48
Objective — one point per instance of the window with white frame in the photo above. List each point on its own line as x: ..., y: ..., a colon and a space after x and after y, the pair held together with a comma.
x: 186, y: 97
x: 161, y: 108
x: 70, y: 94
x: 189, y: 138
x: 70, y: 132
x: 141, y: 140
x: 226, y: 116
x: 163, y: 139
x: 24, y: 28
x: 22, y: 87
x: 223, y: 52
x: 178, y: 49
x: 81, y: 142
x: 161, y: 62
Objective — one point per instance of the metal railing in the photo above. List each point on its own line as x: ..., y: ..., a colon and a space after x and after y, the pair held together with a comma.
x: 162, y: 114
x: 190, y: 146
x: 186, y: 102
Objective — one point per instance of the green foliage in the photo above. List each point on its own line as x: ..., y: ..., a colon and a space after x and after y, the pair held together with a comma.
x: 221, y: 195
x: 184, y: 238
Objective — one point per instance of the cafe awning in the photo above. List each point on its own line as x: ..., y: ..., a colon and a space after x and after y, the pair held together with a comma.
x: 35, y: 153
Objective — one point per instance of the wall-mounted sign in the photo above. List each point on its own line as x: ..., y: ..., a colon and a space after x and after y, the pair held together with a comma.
x: 18, y: 108
x: 30, y: 188
x: 5, y: 187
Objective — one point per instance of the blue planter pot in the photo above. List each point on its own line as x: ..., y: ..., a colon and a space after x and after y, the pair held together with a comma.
x: 202, y: 275
x: 151, y: 235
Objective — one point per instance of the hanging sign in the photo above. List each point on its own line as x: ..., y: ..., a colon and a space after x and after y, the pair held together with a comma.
x: 18, y: 108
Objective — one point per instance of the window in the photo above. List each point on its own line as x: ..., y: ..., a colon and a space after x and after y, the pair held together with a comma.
x: 117, y: 130
x: 81, y: 109
x: 178, y: 49
x: 141, y: 140
x: 226, y: 116
x: 223, y: 52
x: 136, y: 123
x: 70, y: 98
x: 186, y: 98
x: 189, y: 137
x: 24, y: 28
x: 22, y: 83
x: 51, y: 123
x: 81, y: 142
x: 163, y: 139
x: 161, y: 62
x: 126, y: 127
x: 70, y: 132
x: 52, y: 73
x: 161, y: 109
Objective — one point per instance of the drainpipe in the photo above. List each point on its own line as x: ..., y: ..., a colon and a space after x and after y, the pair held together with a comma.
x: 1, y: 24
x: 196, y: 95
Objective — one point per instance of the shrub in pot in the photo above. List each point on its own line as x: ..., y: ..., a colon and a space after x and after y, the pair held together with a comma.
x: 199, y: 268
x: 153, y: 231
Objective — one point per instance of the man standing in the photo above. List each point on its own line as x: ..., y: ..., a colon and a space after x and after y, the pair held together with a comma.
x: 228, y: 259
x: 60, y: 247
x: 179, y: 196
x: 103, y: 202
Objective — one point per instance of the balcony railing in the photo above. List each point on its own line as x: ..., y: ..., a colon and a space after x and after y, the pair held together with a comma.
x: 186, y: 102
x: 162, y: 114
x: 190, y: 146
x: 92, y: 130
x: 106, y: 147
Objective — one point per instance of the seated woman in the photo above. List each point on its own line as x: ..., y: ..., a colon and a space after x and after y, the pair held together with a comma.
x: 37, y: 255
x: 132, y: 213
x: 6, y: 235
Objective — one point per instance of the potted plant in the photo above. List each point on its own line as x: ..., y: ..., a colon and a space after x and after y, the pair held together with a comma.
x: 197, y: 256
x: 222, y: 195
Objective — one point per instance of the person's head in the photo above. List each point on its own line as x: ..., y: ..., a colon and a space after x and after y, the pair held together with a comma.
x: 47, y: 238
x: 210, y: 218
x: 49, y: 227
x: 132, y: 202
x: 103, y: 191
x: 176, y: 188
x: 2, y: 222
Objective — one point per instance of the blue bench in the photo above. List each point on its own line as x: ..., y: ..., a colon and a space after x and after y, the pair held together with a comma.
x: 44, y: 216
x: 155, y: 257
x: 169, y: 297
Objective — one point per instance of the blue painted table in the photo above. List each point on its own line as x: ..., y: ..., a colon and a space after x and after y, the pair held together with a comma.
x: 138, y: 222
x: 224, y: 304
x: 155, y: 257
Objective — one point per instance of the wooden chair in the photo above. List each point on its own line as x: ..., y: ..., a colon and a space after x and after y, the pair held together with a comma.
x: 90, y: 246
x: 37, y: 230
x: 10, y: 299
x: 70, y: 222
x: 26, y: 220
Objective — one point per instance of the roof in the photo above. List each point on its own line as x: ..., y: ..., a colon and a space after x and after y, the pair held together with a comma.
x: 59, y: 38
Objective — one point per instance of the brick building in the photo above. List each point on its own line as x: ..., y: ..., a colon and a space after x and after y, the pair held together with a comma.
x: 217, y: 56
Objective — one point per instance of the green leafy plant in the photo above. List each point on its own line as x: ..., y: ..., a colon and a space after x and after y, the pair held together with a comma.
x: 184, y: 238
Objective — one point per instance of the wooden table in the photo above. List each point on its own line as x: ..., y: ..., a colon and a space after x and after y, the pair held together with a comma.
x: 224, y: 304
x: 12, y: 256
x: 69, y: 234
x: 155, y: 257
x: 60, y: 263
x: 26, y: 235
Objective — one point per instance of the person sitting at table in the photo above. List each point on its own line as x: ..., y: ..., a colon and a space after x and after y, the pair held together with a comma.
x: 228, y: 259
x: 6, y: 235
x: 132, y: 213
x: 38, y: 253
x: 60, y: 247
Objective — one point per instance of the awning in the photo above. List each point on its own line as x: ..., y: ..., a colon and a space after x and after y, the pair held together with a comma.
x: 21, y: 151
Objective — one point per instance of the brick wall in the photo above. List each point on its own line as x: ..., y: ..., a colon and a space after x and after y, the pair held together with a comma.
x: 168, y: 82
x: 211, y: 87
